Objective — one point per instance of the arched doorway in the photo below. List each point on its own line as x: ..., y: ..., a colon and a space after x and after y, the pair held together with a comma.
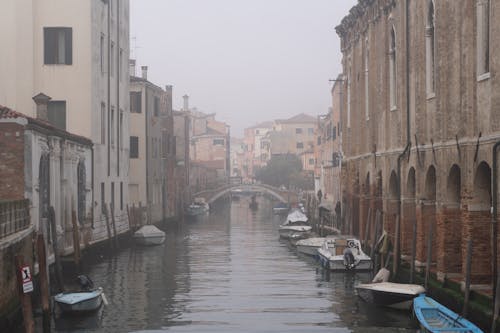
x: 408, y: 212
x: 478, y: 226
x: 427, y: 218
x: 449, y: 232
x: 365, y: 207
x: 354, y: 228
x: 392, y: 204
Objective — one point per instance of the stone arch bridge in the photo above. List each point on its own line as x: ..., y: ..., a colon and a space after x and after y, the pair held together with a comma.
x: 284, y: 196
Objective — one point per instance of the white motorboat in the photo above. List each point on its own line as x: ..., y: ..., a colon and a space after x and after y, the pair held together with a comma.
x: 85, y: 300
x: 393, y: 295
x: 149, y: 235
x: 310, y: 245
x: 80, y: 301
x: 343, y: 253
x: 295, y: 227
x: 198, y: 207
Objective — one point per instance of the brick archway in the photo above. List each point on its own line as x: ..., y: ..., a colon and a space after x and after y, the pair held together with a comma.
x: 408, y: 212
x: 392, y: 204
x: 426, y: 217
x: 477, y: 224
x: 449, y: 227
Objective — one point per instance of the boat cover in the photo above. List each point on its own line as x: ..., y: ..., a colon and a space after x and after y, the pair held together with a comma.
x: 149, y: 231
x: 397, y: 288
x: 77, y: 297
x: 296, y: 216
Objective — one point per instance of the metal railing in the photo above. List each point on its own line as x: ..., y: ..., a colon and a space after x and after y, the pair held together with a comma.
x: 14, y: 217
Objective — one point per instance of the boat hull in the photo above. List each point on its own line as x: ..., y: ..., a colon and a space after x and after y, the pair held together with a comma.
x: 310, y: 250
x: 396, y: 298
x: 85, y: 305
x: 149, y: 240
x: 294, y: 232
x: 337, y: 265
x: 434, y: 317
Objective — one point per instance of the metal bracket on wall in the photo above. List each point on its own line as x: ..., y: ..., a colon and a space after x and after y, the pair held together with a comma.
x: 433, y: 152
x: 458, y: 148
x: 418, y: 152
x: 477, y: 147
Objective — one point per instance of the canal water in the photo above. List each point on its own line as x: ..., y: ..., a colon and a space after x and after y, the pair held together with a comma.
x: 228, y: 272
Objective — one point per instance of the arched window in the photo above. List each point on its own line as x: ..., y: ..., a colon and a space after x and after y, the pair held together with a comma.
x: 483, y: 36
x: 367, y: 93
x: 81, y: 192
x: 430, y: 48
x: 392, y: 69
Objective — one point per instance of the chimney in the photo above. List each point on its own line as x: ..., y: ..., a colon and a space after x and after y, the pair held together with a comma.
x: 186, y: 102
x: 168, y: 92
x: 42, y: 102
x: 131, y: 63
x: 144, y: 72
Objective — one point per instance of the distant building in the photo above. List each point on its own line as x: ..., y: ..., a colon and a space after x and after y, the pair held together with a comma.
x: 152, y: 147
x: 77, y: 53
x: 237, y: 157
x: 209, y: 144
x: 182, y: 162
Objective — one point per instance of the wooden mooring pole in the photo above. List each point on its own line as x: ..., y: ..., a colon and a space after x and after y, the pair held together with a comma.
x: 397, y: 242
x: 413, y: 251
x: 429, y: 255
x: 496, y: 307
x: 76, y: 240
x: 108, y: 227
x: 44, y: 281
x: 468, y: 264
x: 367, y: 226
x: 24, y: 297
x: 55, y: 247
x: 115, y: 239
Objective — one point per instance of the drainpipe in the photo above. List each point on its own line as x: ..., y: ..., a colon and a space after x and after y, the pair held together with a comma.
x: 494, y: 222
x: 93, y: 188
x: 408, y: 138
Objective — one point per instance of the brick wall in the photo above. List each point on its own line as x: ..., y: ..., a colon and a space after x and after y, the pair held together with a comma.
x: 478, y: 229
x: 11, y: 161
x: 449, y: 240
x: 407, y: 221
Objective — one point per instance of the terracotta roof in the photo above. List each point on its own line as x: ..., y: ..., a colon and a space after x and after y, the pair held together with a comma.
x: 41, y: 125
x: 300, y: 118
x: 5, y: 113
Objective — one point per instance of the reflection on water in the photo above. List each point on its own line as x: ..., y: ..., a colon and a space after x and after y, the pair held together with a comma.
x: 228, y: 272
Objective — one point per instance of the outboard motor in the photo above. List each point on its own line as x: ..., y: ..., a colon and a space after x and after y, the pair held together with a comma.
x: 349, y: 261
x: 85, y: 282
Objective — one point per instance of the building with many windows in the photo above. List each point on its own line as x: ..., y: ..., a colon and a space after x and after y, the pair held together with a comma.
x: 77, y: 53
x: 421, y: 128
x: 152, y: 147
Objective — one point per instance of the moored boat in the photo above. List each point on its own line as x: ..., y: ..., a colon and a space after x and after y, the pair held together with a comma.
x: 435, y: 317
x: 80, y: 301
x: 343, y: 253
x: 393, y: 295
x: 198, y: 207
x: 310, y: 246
x: 295, y: 226
x: 149, y: 235
x: 85, y: 300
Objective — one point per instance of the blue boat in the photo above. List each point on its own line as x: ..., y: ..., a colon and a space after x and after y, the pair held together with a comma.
x: 434, y: 317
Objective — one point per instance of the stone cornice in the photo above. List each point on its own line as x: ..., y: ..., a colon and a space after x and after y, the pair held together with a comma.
x: 359, y: 18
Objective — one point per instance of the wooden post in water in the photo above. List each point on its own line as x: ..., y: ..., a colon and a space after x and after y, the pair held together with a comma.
x: 76, y: 239
x: 44, y: 281
x: 25, y: 298
x: 367, y: 226
x: 108, y: 227
x: 468, y: 264
x: 429, y: 255
x: 129, y: 220
x: 397, y: 241
x: 115, y: 239
x: 55, y: 247
x: 413, y: 250
x: 374, y: 242
x: 496, y: 307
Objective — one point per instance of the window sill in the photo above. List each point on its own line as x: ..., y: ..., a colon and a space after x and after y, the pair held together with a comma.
x: 483, y: 77
x: 431, y: 96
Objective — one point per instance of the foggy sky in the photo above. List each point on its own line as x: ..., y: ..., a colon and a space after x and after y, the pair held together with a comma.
x: 248, y: 61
